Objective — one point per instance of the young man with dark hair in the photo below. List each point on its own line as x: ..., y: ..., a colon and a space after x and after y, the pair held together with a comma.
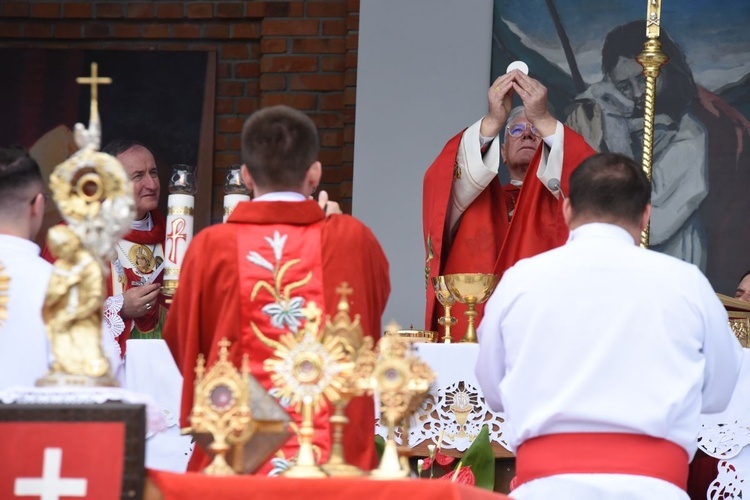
x: 24, y: 275
x: 274, y: 256
x: 603, y: 354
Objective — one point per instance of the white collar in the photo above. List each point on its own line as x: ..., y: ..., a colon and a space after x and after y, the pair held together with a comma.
x: 145, y: 224
x: 281, y: 196
x: 601, y: 230
x: 20, y: 244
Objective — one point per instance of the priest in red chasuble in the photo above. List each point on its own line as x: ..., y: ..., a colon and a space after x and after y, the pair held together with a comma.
x: 274, y: 256
x: 472, y: 223
x: 134, y: 307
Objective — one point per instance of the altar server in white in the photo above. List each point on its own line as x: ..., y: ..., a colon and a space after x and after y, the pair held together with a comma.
x: 603, y: 354
x: 24, y: 275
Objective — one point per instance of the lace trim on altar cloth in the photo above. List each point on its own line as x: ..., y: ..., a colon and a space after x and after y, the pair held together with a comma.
x: 155, y: 419
x: 726, y: 441
x: 728, y: 484
x: 457, y: 412
x: 111, y: 321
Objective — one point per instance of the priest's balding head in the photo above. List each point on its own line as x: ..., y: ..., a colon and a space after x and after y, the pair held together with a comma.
x: 610, y: 188
x: 22, y: 194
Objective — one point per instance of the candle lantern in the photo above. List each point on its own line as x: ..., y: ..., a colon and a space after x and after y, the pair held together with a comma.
x: 234, y: 190
x: 180, y: 207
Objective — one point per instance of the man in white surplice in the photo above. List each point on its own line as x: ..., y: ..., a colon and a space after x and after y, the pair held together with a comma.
x: 603, y: 354
x: 24, y: 275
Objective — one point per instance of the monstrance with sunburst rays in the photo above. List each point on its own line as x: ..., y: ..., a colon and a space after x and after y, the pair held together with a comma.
x: 306, y: 368
x: 360, y: 348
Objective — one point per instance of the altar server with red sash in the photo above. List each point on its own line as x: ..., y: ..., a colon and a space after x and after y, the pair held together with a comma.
x: 472, y: 223
x: 602, y: 354
x: 248, y: 280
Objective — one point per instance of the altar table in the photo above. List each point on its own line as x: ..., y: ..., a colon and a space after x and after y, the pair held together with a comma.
x: 189, y: 486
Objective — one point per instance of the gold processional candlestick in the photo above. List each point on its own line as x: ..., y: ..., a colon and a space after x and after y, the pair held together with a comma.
x: 402, y: 381
x: 446, y: 298
x: 652, y: 59
x: 306, y: 367
x: 360, y: 348
x: 471, y: 289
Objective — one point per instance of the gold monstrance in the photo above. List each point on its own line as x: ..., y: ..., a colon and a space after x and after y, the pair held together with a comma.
x: 401, y: 379
x: 222, y: 407
x: 360, y: 348
x: 95, y: 197
x: 305, y: 368
x: 652, y: 59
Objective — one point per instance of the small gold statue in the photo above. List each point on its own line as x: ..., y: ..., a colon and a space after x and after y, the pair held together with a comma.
x: 72, y: 311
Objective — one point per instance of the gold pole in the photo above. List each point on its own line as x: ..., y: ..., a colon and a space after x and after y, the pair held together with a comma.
x: 652, y: 59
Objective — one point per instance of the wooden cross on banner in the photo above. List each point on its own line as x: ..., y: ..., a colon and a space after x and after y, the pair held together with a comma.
x: 94, y: 80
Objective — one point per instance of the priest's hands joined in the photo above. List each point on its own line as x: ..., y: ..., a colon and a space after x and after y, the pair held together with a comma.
x: 139, y: 300
x: 500, y: 99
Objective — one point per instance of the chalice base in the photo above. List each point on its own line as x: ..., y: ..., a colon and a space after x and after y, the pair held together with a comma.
x: 390, y: 465
x: 219, y: 467
x: 304, y: 471
x: 69, y: 380
x: 342, y: 470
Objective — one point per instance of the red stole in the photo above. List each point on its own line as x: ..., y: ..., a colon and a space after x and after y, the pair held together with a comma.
x: 280, y: 273
x: 151, y: 323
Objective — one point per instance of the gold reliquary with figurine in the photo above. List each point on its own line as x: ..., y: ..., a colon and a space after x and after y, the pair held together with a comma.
x: 233, y: 418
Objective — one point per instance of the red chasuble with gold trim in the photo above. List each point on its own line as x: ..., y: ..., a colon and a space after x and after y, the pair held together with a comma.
x: 280, y: 272
x: 220, y: 295
x: 485, y: 242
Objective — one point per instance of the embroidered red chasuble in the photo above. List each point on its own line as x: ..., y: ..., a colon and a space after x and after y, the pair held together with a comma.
x: 485, y: 241
x: 219, y: 296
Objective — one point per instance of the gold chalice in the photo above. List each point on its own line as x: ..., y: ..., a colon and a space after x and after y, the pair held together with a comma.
x: 445, y: 297
x: 471, y: 289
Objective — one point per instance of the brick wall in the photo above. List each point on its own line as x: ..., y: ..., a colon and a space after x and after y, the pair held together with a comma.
x: 300, y: 53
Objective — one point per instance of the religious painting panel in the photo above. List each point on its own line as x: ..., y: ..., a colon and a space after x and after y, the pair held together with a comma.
x: 583, y: 52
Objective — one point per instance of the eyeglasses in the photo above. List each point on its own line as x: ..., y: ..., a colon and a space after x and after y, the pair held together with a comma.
x: 518, y: 129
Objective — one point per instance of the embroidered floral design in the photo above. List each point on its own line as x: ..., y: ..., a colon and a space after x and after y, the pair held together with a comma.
x: 286, y: 311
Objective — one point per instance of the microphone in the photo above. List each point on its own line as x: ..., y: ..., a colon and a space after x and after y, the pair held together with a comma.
x: 554, y: 185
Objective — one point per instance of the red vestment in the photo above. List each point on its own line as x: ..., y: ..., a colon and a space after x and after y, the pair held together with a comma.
x: 485, y: 242
x: 210, y: 303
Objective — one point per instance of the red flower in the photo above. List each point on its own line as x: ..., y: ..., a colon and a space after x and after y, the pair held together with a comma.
x: 464, y: 476
x: 443, y: 461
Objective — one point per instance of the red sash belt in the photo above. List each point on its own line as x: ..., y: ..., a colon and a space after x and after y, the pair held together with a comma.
x: 602, y: 453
